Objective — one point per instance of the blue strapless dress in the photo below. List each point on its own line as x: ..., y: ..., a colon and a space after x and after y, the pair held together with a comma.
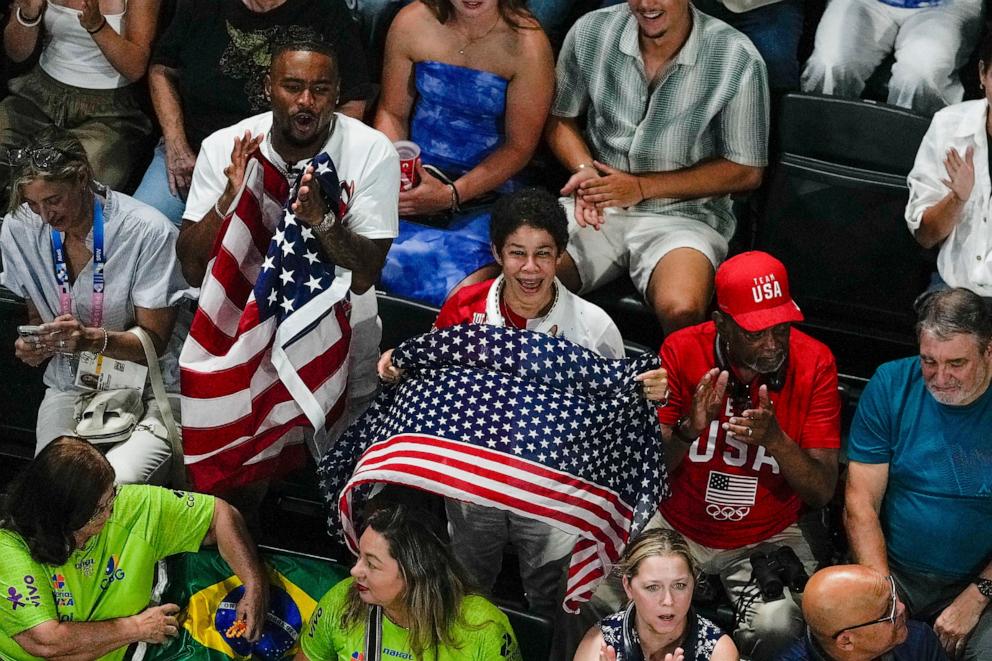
x: 458, y: 122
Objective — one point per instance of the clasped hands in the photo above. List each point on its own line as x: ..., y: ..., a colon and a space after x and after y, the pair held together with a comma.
x: 754, y: 426
x: 598, y: 187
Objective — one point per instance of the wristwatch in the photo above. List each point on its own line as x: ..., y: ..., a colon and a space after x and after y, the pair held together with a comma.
x: 984, y: 586
x: 327, y: 223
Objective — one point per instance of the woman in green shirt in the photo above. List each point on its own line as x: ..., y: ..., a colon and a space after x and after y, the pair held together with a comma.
x: 407, y: 599
x: 79, y: 555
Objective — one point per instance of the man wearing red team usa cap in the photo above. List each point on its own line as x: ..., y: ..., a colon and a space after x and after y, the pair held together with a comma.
x: 751, y: 432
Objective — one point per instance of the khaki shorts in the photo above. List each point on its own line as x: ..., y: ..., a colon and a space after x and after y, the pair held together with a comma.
x: 634, y: 242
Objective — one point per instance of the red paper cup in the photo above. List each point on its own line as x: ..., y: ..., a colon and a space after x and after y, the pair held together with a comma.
x: 409, y: 162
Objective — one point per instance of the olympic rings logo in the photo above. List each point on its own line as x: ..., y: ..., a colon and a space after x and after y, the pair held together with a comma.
x: 721, y: 513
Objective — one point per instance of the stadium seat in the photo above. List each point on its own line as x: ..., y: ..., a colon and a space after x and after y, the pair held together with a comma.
x: 402, y: 319
x: 533, y: 633
x: 21, y: 388
x: 834, y: 215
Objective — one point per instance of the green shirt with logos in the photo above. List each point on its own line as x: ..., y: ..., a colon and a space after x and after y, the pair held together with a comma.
x: 481, y: 633
x: 111, y: 576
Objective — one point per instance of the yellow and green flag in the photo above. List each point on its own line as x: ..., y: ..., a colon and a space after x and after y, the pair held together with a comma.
x: 208, y: 592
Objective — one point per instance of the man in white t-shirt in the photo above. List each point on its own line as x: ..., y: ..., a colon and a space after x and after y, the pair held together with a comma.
x: 303, y: 86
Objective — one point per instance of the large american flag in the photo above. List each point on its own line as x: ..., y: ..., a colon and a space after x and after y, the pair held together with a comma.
x: 516, y: 420
x: 265, y: 361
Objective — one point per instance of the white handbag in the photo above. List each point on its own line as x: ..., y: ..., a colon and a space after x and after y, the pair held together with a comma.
x: 110, y: 416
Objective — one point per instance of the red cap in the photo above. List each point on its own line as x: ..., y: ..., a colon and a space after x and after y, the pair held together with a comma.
x: 753, y: 288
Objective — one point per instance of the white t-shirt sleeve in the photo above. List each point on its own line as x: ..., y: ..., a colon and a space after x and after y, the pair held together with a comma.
x: 373, y: 212
x: 208, y: 180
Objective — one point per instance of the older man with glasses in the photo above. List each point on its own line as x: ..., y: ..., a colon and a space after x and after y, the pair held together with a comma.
x: 854, y: 613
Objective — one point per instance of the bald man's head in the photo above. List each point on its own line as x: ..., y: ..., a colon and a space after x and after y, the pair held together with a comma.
x: 839, y: 599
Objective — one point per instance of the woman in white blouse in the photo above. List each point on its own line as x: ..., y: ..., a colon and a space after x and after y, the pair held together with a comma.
x: 91, y: 263
x: 950, y: 193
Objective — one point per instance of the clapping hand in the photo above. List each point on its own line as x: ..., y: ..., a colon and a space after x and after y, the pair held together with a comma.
x: 960, y: 172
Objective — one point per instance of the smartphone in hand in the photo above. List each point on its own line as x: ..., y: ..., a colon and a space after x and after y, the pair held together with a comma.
x: 30, y: 331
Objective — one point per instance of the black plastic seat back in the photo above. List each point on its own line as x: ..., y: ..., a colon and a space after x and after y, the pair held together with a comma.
x: 835, y: 208
x: 863, y: 134
x: 533, y: 633
x: 403, y: 319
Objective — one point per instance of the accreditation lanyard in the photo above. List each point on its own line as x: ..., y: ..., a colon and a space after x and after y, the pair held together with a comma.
x: 62, y: 271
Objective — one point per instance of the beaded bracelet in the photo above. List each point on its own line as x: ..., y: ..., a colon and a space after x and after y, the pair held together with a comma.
x: 28, y: 23
x: 220, y: 214
x: 106, y: 338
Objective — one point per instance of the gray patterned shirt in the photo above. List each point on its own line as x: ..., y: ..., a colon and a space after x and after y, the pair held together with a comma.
x: 711, y: 101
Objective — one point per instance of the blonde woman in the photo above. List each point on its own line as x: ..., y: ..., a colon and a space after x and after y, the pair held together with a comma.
x: 659, y: 575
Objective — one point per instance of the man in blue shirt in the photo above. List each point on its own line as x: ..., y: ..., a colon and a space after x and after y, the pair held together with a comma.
x: 853, y: 612
x: 919, y: 486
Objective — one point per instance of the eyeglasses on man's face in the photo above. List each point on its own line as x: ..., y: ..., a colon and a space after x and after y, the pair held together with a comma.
x: 891, y: 617
x: 40, y: 157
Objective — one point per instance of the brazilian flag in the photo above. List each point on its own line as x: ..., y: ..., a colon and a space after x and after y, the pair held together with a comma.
x: 208, y: 592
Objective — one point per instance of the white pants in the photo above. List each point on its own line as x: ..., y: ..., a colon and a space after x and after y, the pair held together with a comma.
x: 634, y: 242
x: 479, y: 535
x: 141, y: 459
x: 930, y: 44
x: 768, y: 627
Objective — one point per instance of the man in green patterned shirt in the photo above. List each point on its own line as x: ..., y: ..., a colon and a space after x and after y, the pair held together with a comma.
x: 675, y: 108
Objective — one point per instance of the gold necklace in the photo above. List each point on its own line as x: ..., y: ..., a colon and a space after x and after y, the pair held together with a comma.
x: 461, y: 51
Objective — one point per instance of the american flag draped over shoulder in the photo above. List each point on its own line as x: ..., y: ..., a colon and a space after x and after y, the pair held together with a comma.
x: 517, y: 420
x: 267, y: 353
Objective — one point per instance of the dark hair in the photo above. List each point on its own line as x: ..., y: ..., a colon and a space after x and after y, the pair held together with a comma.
x: 72, y: 164
x: 951, y: 311
x: 56, y: 495
x: 435, y: 581
x: 985, y: 48
x: 290, y: 43
x: 534, y: 207
x: 510, y: 11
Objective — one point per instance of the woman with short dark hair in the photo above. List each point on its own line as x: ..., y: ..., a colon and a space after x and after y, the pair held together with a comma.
x: 407, y: 585
x: 529, y: 234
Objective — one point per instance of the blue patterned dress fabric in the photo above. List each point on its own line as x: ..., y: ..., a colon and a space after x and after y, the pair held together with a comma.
x: 458, y: 122
x: 700, y: 639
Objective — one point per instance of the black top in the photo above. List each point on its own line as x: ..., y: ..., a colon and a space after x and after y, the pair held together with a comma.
x: 221, y: 49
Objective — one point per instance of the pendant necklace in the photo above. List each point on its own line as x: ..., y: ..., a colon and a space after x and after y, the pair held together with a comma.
x: 461, y: 51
